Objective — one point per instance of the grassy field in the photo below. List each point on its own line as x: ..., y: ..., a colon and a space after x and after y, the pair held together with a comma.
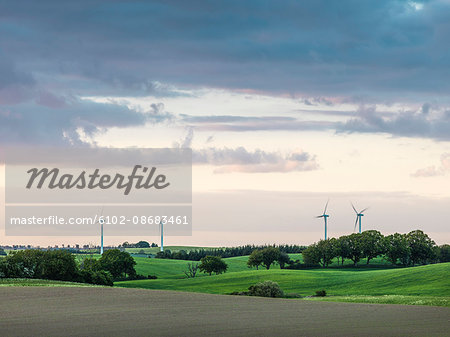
x: 154, y: 250
x: 428, y: 285
x: 375, y: 283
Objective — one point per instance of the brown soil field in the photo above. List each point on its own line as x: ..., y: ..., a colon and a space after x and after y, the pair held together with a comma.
x: 72, y: 311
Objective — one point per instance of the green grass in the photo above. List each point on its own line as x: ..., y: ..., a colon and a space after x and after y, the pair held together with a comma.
x: 429, y: 281
x: 388, y: 299
x: 22, y: 282
x: 166, y: 268
x: 154, y: 250
x: 375, y: 283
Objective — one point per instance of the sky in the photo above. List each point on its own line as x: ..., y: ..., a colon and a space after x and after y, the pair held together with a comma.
x: 285, y: 105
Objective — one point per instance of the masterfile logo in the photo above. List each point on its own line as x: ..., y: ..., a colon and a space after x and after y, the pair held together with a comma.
x: 130, y: 190
x: 96, y: 180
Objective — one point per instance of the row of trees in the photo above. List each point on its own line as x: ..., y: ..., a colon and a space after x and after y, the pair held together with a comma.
x: 197, y: 255
x: 140, y: 244
x: 267, y: 257
x: 61, y: 265
x: 409, y: 249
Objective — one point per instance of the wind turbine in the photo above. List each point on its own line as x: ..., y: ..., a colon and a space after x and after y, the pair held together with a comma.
x: 324, y: 216
x: 101, y: 221
x: 358, y: 217
x: 161, y: 231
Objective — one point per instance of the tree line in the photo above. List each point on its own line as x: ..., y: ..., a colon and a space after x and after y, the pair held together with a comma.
x: 409, y: 249
x: 61, y: 265
x: 197, y: 255
x: 140, y: 244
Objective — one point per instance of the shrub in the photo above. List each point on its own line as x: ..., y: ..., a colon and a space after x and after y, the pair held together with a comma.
x: 99, y: 277
x: 266, y: 289
x: 321, y: 293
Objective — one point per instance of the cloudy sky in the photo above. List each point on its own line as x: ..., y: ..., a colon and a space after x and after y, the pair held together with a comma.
x: 285, y: 104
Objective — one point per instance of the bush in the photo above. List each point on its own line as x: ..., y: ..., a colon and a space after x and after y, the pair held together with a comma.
x: 50, y: 265
x: 266, y: 289
x: 321, y: 293
x: 299, y: 266
x: 99, y: 277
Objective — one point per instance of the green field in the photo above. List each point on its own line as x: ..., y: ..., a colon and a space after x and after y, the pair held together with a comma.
x: 375, y: 283
x: 154, y: 250
x: 428, y: 285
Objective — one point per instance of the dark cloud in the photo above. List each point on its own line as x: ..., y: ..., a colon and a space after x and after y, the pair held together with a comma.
x: 426, y: 122
x: 36, y: 124
x: 53, y: 52
x: 317, y: 101
x: 434, y: 125
x: 342, y: 47
x: 245, y: 123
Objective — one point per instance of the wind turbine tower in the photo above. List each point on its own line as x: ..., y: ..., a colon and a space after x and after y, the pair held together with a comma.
x: 101, y: 221
x: 358, y: 217
x: 161, y: 230
x: 325, y: 217
x: 101, y: 234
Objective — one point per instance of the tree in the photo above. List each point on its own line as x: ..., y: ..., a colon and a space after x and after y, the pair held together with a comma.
x: 192, y: 270
x: 421, y: 247
x: 321, y: 253
x: 444, y: 253
x: 342, y: 249
x: 354, y: 247
x: 2, y: 252
x: 372, y: 244
x: 311, y: 255
x: 397, y: 248
x: 142, y: 244
x: 213, y: 264
x: 58, y: 265
x: 283, y: 259
x: 91, y: 272
x: 118, y: 263
x: 269, y: 256
x: 255, y: 259
x: 327, y: 249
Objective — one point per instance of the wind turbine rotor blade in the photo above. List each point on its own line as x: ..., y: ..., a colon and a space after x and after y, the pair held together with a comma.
x: 319, y: 216
x: 365, y: 209
x: 354, y: 209
x: 325, y: 210
x: 356, y: 222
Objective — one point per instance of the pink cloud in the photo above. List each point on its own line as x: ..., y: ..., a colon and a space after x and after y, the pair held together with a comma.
x: 432, y: 171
